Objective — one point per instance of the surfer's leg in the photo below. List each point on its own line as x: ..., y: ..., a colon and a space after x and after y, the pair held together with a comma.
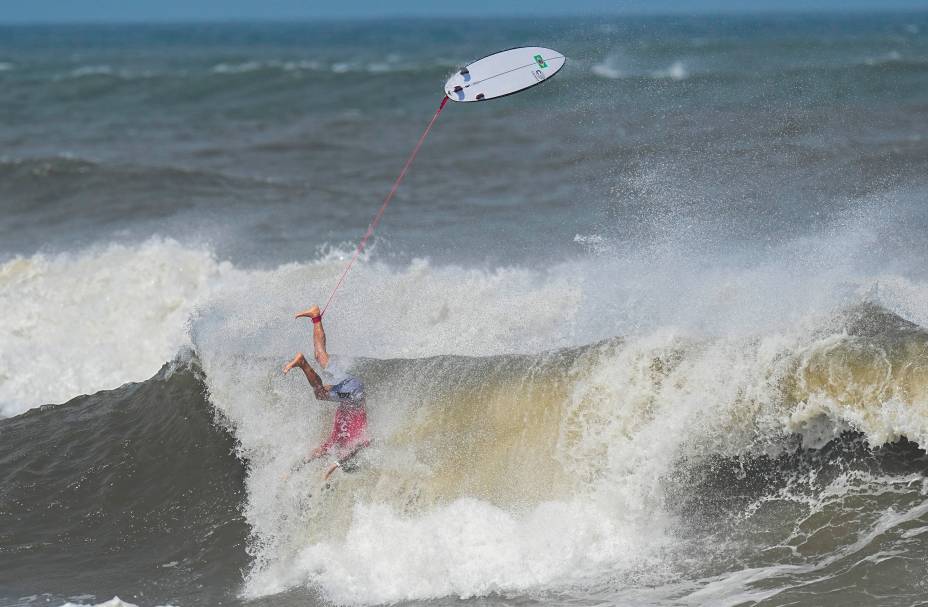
x: 319, y: 342
x: 347, y: 461
x: 315, y: 315
x: 314, y: 380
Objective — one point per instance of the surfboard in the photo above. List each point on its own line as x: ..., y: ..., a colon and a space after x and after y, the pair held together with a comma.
x: 504, y: 73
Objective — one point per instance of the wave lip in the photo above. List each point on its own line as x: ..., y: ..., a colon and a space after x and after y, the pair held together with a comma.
x: 82, y: 322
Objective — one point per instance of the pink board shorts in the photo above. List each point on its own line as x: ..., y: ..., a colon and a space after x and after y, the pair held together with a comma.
x: 349, y: 431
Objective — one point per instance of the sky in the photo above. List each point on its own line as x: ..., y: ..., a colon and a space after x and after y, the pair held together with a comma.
x: 26, y: 11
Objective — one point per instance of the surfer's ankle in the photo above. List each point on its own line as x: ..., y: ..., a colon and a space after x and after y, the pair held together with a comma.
x: 312, y: 313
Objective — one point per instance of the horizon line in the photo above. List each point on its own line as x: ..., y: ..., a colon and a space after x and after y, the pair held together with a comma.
x: 285, y: 19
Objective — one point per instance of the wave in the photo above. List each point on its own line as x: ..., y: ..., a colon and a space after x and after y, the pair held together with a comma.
x: 480, y: 452
x: 592, y: 463
x: 391, y: 64
x: 83, y: 322
x: 477, y: 456
x: 895, y: 59
x: 26, y: 174
x: 40, y: 187
x: 547, y: 417
x: 334, y: 67
x: 138, y: 480
x: 619, y: 67
x: 113, y: 602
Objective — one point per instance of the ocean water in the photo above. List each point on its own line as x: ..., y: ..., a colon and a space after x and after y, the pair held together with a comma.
x: 654, y: 333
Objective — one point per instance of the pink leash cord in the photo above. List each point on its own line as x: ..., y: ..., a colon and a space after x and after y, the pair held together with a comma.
x: 386, y: 201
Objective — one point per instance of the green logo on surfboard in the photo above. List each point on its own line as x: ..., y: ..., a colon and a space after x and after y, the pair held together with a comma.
x: 540, y: 61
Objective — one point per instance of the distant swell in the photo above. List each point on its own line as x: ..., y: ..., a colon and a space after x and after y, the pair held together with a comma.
x: 34, y: 181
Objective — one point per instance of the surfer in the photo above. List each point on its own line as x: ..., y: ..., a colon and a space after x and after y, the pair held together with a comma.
x: 349, y: 434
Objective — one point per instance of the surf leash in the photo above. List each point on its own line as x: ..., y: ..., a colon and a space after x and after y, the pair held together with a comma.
x: 498, y: 75
x: 386, y: 201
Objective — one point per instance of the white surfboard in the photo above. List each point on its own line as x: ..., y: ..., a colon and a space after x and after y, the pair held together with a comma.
x: 504, y: 73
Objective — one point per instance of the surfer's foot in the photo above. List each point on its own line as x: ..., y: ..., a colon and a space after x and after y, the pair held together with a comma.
x: 313, y: 312
x: 298, y: 361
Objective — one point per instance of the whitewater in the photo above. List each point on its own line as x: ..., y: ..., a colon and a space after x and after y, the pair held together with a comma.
x: 526, y: 421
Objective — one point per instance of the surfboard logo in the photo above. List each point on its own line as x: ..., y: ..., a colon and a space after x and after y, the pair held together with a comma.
x: 539, y: 75
x: 540, y: 61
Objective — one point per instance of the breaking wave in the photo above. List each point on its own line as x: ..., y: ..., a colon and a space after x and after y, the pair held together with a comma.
x: 545, y: 417
x: 83, y: 322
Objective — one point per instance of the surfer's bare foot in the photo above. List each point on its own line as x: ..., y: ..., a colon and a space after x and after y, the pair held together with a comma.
x: 298, y: 361
x: 313, y: 312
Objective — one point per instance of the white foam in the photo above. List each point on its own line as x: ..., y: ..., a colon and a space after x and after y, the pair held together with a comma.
x: 375, y: 551
x: 616, y: 67
x: 237, y: 68
x: 887, y: 58
x: 91, y: 70
x: 253, y: 66
x: 676, y: 71
x: 87, y: 71
x: 81, y: 322
x: 606, y: 70
x: 113, y: 602
x: 467, y: 548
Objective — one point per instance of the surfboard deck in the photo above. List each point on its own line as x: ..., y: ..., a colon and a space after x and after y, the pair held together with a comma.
x: 504, y: 73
